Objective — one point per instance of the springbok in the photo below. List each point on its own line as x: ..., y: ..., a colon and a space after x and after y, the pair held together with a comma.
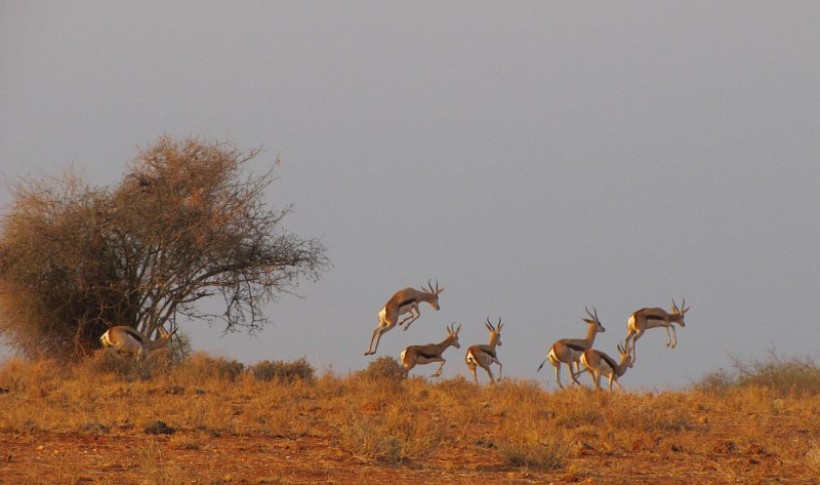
x: 484, y: 355
x: 598, y: 363
x: 127, y: 339
x: 646, y: 318
x: 568, y: 350
x: 424, y: 354
x: 403, y: 301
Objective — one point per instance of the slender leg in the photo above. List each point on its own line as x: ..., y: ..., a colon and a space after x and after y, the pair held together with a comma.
x: 411, y: 319
x: 634, y: 345
x: 377, y: 335
x: 558, y: 375
x: 490, y: 373
x: 438, y: 371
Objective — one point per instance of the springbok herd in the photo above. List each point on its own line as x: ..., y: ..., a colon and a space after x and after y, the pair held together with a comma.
x: 574, y: 352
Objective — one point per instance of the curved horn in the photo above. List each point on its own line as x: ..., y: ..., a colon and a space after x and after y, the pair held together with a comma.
x: 499, y: 324
x: 595, y: 316
x: 490, y: 325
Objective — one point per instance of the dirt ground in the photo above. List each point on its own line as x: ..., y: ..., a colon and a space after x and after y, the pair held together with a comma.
x: 196, y: 458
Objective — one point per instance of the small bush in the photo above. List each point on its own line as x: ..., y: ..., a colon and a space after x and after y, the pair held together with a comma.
x: 369, y: 437
x: 532, y: 452
x: 200, y: 366
x: 282, y: 371
x: 126, y: 366
x: 783, y: 377
x: 714, y: 382
x: 386, y: 368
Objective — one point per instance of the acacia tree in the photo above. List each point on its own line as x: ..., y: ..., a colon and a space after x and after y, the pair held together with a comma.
x: 186, y: 223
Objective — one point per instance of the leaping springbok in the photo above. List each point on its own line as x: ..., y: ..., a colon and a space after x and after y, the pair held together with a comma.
x: 425, y: 354
x: 127, y: 339
x: 568, y: 350
x: 484, y: 355
x: 646, y: 318
x: 403, y: 301
x: 598, y: 363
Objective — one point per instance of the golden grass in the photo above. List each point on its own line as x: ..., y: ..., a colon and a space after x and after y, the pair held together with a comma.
x: 741, y: 431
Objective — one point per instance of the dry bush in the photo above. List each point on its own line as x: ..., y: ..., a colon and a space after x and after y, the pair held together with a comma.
x: 384, y: 368
x: 22, y: 376
x: 283, y: 371
x: 533, y: 450
x: 781, y: 376
x: 390, y: 423
x: 129, y: 367
x: 200, y: 367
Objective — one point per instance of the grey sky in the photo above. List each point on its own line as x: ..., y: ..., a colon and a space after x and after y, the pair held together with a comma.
x: 534, y: 157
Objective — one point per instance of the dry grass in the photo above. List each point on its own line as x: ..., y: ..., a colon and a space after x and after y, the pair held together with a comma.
x: 87, y: 424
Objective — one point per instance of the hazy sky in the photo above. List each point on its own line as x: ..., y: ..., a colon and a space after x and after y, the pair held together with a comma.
x: 534, y: 157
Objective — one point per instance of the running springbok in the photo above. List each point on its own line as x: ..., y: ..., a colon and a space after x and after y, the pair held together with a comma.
x: 568, y: 350
x: 484, y: 355
x: 425, y: 354
x: 646, y: 318
x: 403, y: 301
x: 127, y: 339
x: 598, y: 363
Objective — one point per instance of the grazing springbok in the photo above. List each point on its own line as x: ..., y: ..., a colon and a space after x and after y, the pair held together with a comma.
x: 403, y: 301
x: 646, y: 318
x: 484, y: 355
x: 568, y: 350
x: 425, y: 354
x: 123, y: 338
x: 598, y: 363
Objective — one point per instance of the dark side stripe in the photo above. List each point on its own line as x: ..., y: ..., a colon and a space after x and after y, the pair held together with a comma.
x: 489, y: 352
x: 135, y: 334
x: 609, y: 361
x: 408, y: 301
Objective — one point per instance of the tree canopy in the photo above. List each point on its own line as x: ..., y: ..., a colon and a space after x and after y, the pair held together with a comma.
x: 187, y: 222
